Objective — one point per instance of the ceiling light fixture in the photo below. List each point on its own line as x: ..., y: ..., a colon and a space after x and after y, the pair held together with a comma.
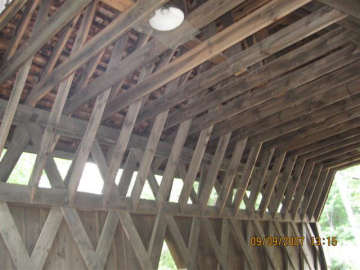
x: 167, y: 18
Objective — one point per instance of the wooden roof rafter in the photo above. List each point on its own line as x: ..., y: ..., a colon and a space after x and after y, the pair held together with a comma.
x: 185, y: 114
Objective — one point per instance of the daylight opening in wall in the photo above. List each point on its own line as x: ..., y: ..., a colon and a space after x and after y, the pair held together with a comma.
x: 341, y: 219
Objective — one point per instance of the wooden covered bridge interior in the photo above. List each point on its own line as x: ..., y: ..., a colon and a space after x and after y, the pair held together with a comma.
x: 254, y: 102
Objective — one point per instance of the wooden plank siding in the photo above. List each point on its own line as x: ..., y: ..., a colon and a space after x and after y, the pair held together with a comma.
x: 117, y: 231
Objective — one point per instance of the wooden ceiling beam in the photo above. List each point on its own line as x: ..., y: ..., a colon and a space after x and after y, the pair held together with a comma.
x: 309, y: 124
x: 315, y: 133
x: 284, y: 88
x: 62, y: 17
x: 10, y: 12
x: 158, y: 45
x: 58, y: 49
x: 238, y: 31
x: 23, y: 26
x: 310, y: 111
x: 328, y: 142
x: 351, y: 125
x: 243, y: 59
x: 120, y: 5
x: 277, y: 133
x: 340, y: 151
x: 349, y: 7
x: 262, y: 76
x: 346, y: 165
x: 119, y: 26
x: 354, y: 28
x: 337, y: 144
x: 343, y: 159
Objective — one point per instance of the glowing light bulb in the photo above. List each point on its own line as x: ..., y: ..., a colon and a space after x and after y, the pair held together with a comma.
x: 167, y: 18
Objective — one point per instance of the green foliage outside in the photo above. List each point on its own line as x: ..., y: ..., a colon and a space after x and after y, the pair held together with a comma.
x: 341, y: 218
x: 166, y: 261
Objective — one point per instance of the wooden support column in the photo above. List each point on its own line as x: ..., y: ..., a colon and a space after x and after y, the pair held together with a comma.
x: 245, y: 178
x: 51, y: 168
x: 17, y: 146
x: 173, y: 162
x: 77, y: 166
x: 157, y: 239
x: 286, y: 178
x: 148, y: 157
x: 128, y: 126
x: 302, y: 185
x: 117, y: 153
x: 214, y: 170
x: 309, y: 191
x: 24, y: 70
x: 272, y: 181
x: 49, y: 138
x: 127, y: 174
x: 324, y: 194
x: 258, y: 185
x: 290, y: 191
x: 194, y: 166
x: 317, y: 191
x: 229, y: 177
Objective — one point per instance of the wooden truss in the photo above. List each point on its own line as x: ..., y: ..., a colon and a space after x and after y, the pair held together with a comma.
x: 257, y: 102
x: 65, y: 237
